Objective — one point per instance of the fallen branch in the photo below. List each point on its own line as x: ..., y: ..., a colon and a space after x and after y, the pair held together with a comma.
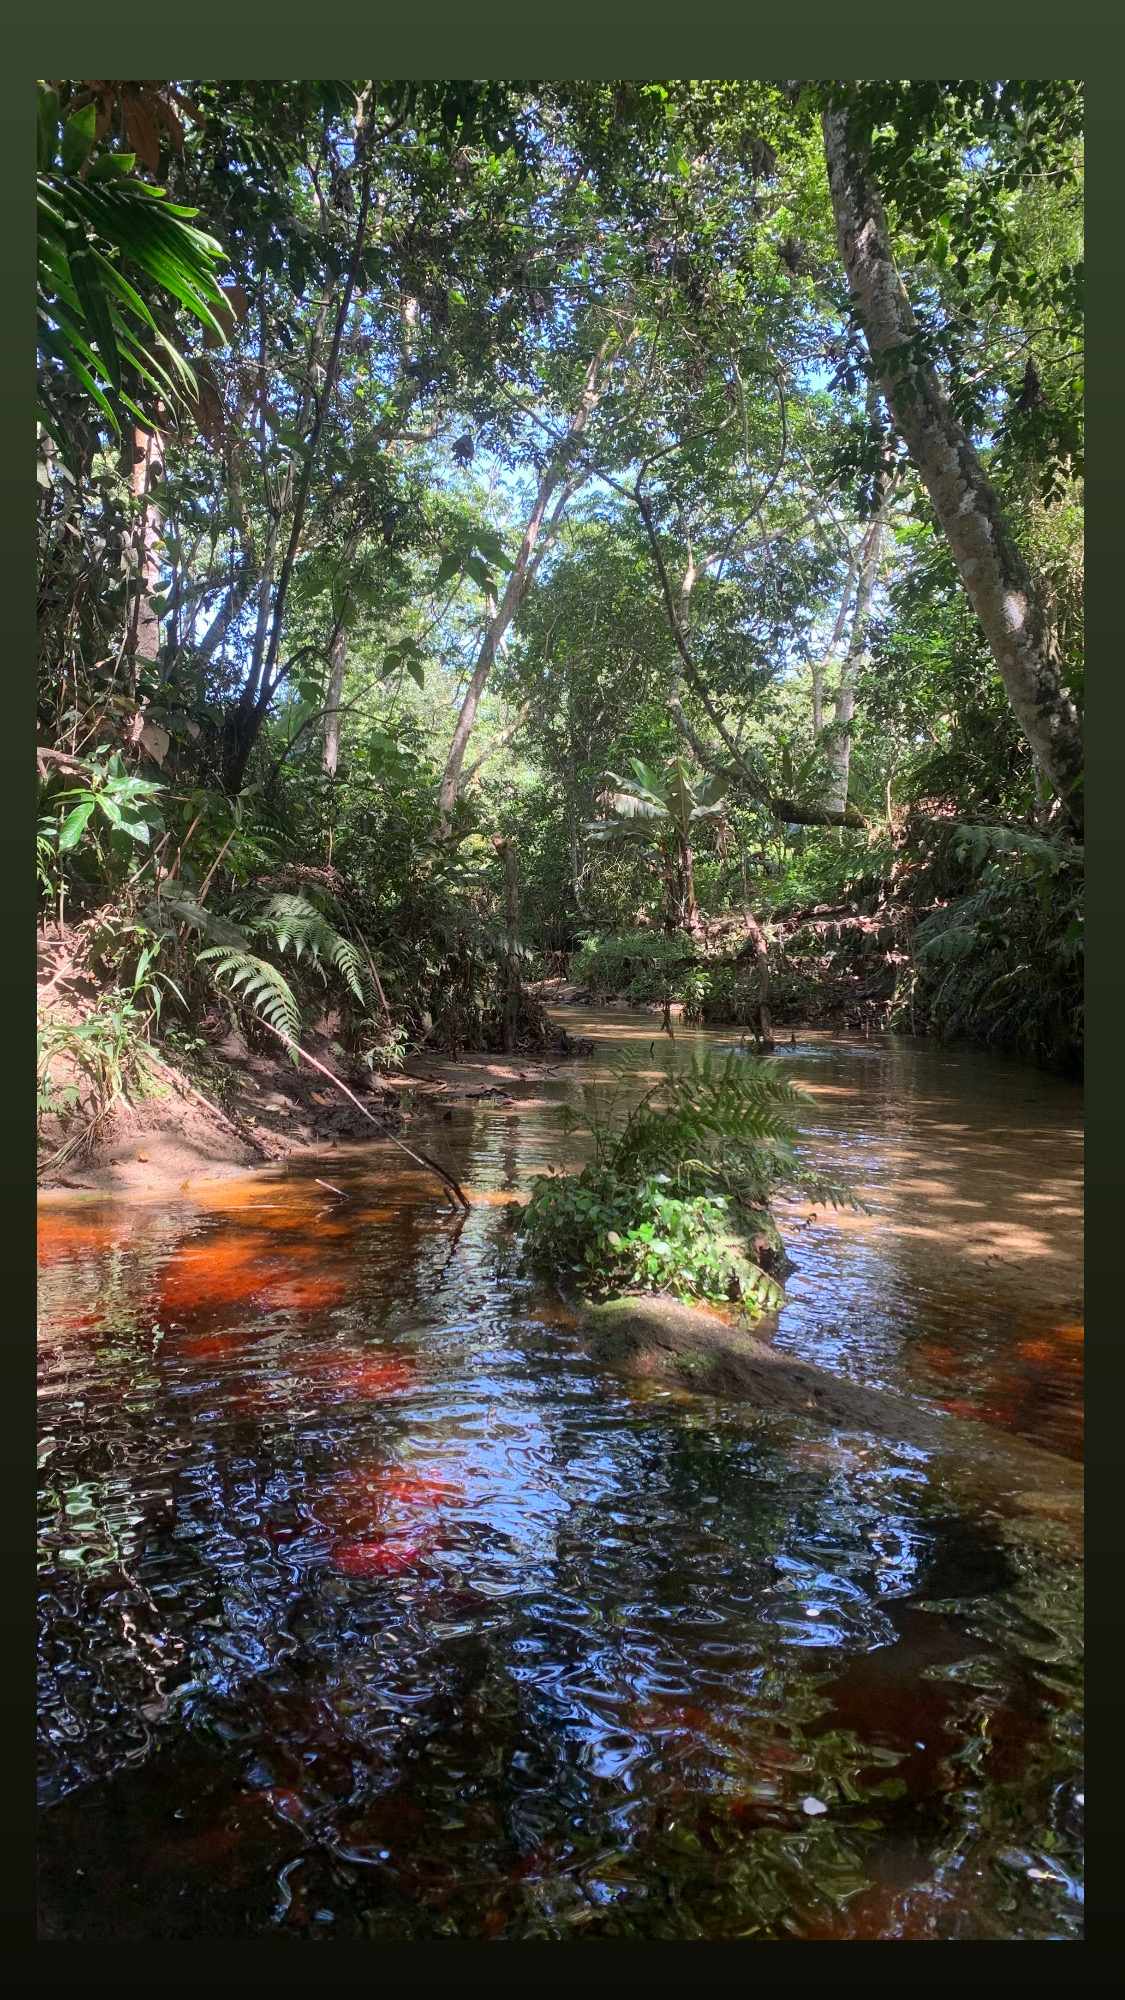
x: 422, y: 1159
x: 73, y: 766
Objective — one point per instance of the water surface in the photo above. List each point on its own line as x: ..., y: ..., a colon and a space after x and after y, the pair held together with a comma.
x: 371, y: 1610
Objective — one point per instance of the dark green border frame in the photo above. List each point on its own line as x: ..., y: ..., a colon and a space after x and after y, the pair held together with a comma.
x: 589, y: 38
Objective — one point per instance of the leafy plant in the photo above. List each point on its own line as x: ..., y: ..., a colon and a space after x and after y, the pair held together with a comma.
x: 677, y: 1196
x: 664, y: 810
x: 257, y: 983
x: 619, y: 1236
x: 111, y: 792
x: 95, y: 219
x: 1003, y: 960
x: 297, y: 926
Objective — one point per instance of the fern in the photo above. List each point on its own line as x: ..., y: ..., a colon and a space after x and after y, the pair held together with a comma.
x: 294, y: 923
x: 730, y: 1124
x: 258, y: 983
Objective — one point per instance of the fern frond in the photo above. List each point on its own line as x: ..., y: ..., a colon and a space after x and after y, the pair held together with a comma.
x: 258, y: 983
x: 294, y: 923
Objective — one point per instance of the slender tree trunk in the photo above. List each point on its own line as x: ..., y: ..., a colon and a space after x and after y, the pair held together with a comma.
x: 337, y: 663
x: 1021, y: 636
x: 147, y: 471
x: 523, y: 570
x: 671, y: 920
x: 262, y: 686
x: 820, y: 667
x: 838, y: 744
x: 226, y: 616
x: 787, y: 809
x: 690, y: 918
x: 760, y: 953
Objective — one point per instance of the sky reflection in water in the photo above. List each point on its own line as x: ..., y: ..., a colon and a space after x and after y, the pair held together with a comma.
x: 371, y: 1610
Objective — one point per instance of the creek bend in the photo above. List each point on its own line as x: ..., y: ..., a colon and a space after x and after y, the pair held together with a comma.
x: 372, y: 1609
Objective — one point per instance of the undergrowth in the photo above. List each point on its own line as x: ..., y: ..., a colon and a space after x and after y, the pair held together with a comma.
x: 676, y: 1199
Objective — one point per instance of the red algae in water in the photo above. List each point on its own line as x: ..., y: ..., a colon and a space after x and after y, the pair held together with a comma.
x: 375, y: 1558
x: 60, y: 1236
x: 245, y: 1269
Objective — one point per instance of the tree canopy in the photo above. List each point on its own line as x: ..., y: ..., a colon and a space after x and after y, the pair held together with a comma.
x: 416, y: 456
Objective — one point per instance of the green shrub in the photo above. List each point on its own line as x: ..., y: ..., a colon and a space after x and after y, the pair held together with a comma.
x: 629, y: 1237
x: 676, y: 1198
x: 643, y: 960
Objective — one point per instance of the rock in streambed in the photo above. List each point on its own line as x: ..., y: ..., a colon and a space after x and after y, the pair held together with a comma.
x: 660, y: 1338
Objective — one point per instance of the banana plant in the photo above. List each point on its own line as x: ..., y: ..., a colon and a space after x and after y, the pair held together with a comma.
x: 663, y: 809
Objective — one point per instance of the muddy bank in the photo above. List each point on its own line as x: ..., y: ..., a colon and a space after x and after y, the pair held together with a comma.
x: 251, y: 1108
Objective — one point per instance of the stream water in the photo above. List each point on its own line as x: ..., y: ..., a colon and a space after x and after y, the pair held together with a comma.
x: 371, y: 1609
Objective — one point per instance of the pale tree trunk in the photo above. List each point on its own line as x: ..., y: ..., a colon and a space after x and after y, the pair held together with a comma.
x: 337, y: 663
x: 1020, y: 634
x: 838, y: 742
x: 147, y: 470
x: 523, y: 570
x: 689, y: 918
x: 820, y: 667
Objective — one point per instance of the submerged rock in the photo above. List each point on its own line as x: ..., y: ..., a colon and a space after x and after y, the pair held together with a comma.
x: 659, y: 1337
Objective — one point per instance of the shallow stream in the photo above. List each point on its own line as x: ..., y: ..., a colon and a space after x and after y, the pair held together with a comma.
x: 371, y: 1609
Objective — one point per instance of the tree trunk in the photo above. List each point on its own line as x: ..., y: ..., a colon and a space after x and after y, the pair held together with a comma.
x: 690, y: 917
x: 507, y: 851
x: 759, y: 949
x: 1021, y: 636
x: 268, y: 672
x: 522, y: 572
x: 147, y: 470
x: 820, y: 667
x: 838, y: 743
x: 337, y: 662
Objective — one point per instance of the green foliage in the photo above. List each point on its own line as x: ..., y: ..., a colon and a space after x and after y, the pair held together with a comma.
x: 646, y: 964
x: 297, y: 926
x: 683, y: 231
x: 258, y: 983
x: 1003, y: 961
x: 633, y: 1236
x: 96, y: 220
x: 725, y: 1126
x: 109, y: 792
x: 677, y: 1196
x: 85, y: 1067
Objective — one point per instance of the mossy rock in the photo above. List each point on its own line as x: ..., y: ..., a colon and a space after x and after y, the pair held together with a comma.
x: 659, y: 1338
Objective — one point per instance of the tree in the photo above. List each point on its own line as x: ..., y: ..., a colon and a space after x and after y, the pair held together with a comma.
x: 664, y: 810
x: 1020, y: 633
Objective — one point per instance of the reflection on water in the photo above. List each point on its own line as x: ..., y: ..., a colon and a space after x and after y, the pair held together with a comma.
x: 371, y: 1610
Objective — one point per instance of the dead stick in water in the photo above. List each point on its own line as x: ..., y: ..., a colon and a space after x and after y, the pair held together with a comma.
x: 423, y: 1159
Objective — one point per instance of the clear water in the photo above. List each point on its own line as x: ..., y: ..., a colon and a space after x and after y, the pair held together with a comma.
x: 371, y: 1610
